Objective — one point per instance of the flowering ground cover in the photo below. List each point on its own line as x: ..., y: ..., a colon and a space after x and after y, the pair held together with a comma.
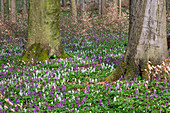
x: 75, y: 84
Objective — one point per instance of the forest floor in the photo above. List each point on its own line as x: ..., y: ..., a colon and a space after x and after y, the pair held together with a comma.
x: 76, y: 84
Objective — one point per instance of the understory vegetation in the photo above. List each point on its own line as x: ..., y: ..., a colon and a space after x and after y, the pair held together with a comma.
x: 75, y: 84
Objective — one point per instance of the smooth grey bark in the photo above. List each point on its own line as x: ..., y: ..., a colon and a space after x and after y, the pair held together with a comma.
x: 24, y: 7
x: 64, y: 3
x: 103, y: 10
x: 5, y: 1
x: 83, y: 10
x: 167, y: 5
x: 120, y: 7
x: 2, y: 11
x: 74, y: 11
x: 9, y: 9
x: 115, y: 4
x: 13, y: 11
x: 100, y: 7
x: 147, y: 39
x: 9, y: 4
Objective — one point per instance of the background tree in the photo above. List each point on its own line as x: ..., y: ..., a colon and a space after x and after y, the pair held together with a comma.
x: 83, y: 10
x: 24, y: 8
x: 120, y: 8
x: 103, y: 8
x: 115, y: 4
x: 5, y: 1
x: 147, y: 39
x: 74, y: 11
x: 2, y: 10
x: 9, y: 4
x: 100, y: 7
x: 64, y: 3
x: 167, y: 5
x: 77, y: 1
x: 13, y: 11
x: 43, y: 32
x: 20, y: 4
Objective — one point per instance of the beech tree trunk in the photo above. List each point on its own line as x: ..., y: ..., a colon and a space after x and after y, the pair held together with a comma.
x: 9, y: 4
x: 43, y: 32
x: 5, y: 1
x: 83, y: 10
x: 103, y: 8
x: 74, y: 11
x: 13, y: 11
x: 24, y: 8
x: 100, y: 7
x: 120, y: 7
x: 64, y: 3
x: 2, y: 11
x: 115, y: 4
x: 147, y: 39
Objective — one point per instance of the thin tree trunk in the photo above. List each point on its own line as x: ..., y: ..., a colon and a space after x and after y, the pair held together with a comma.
x: 24, y: 8
x: 103, y: 8
x: 9, y: 10
x: 147, y: 39
x: 74, y: 11
x: 20, y: 5
x: 5, y: 1
x: 78, y: 1
x: 83, y: 10
x: 64, y: 3
x: 167, y: 6
x: 13, y: 11
x: 100, y: 7
x: 115, y: 3
x: 120, y: 8
x: 9, y: 3
x: 2, y: 11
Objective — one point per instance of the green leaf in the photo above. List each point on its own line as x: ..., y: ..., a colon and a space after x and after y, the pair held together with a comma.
x: 52, y: 56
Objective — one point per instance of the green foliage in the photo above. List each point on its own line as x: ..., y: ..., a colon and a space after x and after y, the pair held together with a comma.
x: 52, y: 56
x: 75, y: 81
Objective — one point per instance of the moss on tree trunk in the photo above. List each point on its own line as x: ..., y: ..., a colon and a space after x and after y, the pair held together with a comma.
x: 147, y: 39
x: 128, y: 70
x: 35, y: 53
x: 43, y: 32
